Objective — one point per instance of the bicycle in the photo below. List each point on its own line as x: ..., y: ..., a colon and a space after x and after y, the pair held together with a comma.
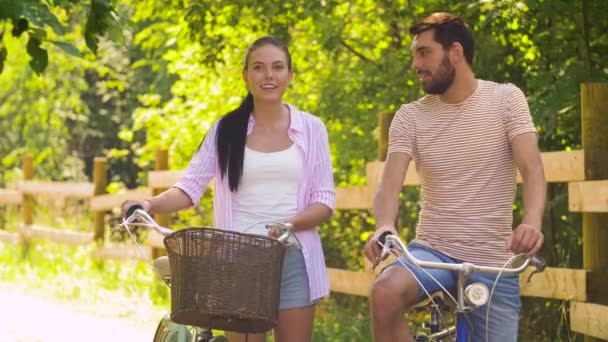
x: 473, y: 296
x: 184, y: 323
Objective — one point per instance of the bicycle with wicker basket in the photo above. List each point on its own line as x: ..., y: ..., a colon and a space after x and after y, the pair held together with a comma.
x: 219, y: 279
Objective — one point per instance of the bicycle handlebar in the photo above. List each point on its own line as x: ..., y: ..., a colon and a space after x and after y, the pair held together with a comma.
x: 388, y: 241
x: 136, y: 212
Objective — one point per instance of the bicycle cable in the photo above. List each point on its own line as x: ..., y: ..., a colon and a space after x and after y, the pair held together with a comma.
x: 126, y: 225
x: 442, y: 318
x: 494, y: 287
x: 292, y: 233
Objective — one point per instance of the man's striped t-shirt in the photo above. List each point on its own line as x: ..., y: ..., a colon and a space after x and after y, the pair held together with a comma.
x: 466, y: 168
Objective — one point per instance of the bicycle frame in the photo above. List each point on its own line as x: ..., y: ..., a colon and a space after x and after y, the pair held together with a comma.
x: 464, y: 271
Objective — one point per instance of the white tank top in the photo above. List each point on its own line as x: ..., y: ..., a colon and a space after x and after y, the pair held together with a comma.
x: 268, y: 190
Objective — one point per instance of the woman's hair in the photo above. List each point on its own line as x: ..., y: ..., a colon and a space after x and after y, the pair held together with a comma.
x: 232, y: 128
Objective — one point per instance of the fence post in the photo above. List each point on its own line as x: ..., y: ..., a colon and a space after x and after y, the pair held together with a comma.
x: 594, y: 115
x: 384, y: 123
x: 28, y: 205
x: 100, y: 183
x: 161, y: 163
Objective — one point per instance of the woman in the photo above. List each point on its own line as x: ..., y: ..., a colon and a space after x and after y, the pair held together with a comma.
x: 271, y: 162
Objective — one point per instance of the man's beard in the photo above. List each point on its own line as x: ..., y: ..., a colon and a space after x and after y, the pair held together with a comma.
x: 442, y: 80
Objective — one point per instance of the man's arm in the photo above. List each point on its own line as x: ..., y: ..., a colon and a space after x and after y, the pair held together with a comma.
x: 528, y: 236
x: 386, y: 200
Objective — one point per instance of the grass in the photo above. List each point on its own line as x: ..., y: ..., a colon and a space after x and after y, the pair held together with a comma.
x: 68, y: 276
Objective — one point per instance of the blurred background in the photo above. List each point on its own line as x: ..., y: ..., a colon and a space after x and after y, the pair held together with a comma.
x: 124, y: 79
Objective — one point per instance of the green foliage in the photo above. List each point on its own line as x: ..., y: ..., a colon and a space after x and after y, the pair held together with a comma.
x: 162, y: 77
x: 35, y: 16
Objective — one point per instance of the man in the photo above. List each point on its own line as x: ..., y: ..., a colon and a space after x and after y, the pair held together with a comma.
x: 467, y: 137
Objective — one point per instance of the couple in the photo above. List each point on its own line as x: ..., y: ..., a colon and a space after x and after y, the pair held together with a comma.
x: 467, y: 136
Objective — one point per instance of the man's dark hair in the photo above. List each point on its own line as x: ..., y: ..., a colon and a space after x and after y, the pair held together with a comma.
x: 448, y: 29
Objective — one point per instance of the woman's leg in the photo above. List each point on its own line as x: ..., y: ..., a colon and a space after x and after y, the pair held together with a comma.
x: 295, y: 325
x: 237, y: 337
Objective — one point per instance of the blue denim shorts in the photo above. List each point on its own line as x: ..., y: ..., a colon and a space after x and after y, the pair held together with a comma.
x: 295, y: 291
x: 504, y: 304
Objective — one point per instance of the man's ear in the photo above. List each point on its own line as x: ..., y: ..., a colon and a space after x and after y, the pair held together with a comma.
x: 456, y: 53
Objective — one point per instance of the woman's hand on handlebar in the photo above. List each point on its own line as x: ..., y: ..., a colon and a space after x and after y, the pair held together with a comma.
x: 372, y: 248
x: 128, y: 207
x: 273, y: 232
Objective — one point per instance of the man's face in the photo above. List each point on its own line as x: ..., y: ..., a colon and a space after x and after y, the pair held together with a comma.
x: 432, y: 64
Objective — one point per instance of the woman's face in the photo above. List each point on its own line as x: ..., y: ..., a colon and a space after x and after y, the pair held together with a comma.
x: 267, y: 75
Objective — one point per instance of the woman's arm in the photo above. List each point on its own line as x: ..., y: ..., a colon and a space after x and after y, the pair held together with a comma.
x: 190, y: 188
x: 311, y: 217
x: 169, y: 201
x: 322, y: 197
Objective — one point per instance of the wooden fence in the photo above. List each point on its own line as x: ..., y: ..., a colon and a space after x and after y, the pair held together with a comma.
x: 587, y: 189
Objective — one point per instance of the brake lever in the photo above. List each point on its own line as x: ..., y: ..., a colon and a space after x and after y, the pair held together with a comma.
x: 382, y: 244
x: 540, y: 264
x: 285, y: 231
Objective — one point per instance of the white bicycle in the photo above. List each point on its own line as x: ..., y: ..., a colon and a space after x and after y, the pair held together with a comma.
x: 221, y: 310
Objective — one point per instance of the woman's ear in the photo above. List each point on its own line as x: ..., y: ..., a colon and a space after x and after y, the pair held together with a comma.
x: 291, y: 73
x: 244, y: 74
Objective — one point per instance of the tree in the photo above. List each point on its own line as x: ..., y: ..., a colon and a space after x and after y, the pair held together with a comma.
x: 35, y: 17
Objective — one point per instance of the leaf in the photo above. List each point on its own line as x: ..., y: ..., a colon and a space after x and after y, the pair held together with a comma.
x: 3, y: 55
x: 40, y: 57
x: 38, y: 33
x: 66, y: 47
x: 101, y: 21
x: 19, y: 26
x: 40, y: 15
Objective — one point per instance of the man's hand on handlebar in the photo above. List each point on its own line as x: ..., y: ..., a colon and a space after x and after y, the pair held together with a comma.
x: 373, y: 250
x: 525, y: 239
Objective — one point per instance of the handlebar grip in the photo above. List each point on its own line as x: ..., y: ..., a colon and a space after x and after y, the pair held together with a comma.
x: 382, y: 238
x: 132, y: 208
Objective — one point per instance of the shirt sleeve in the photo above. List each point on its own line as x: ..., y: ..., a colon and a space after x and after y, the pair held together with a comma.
x: 517, y: 113
x: 401, y: 133
x: 322, y: 179
x: 202, y: 167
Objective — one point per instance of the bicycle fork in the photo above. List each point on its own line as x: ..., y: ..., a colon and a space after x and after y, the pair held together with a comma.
x: 435, y: 334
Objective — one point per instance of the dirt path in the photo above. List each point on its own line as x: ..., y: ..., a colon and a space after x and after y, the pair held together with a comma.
x: 27, y: 319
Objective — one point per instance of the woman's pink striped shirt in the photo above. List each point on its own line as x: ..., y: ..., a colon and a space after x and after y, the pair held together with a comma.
x: 310, y: 136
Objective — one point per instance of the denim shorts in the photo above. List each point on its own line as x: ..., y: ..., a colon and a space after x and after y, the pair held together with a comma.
x: 504, y: 303
x: 295, y: 291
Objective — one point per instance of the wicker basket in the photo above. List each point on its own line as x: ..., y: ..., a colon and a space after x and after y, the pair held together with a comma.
x: 224, y: 279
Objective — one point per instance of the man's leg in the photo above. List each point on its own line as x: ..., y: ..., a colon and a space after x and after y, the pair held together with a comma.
x: 393, y: 292
x: 505, y: 304
x: 396, y: 289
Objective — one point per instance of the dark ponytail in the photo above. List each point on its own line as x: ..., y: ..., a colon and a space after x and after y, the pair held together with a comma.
x: 232, y: 128
x: 230, y: 141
